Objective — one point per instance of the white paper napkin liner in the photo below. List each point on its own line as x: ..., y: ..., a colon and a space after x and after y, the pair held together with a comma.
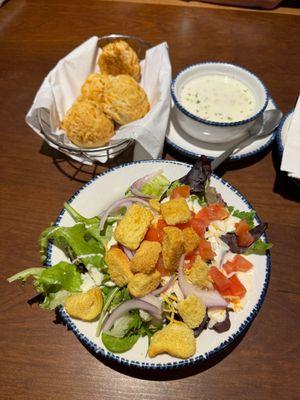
x: 291, y: 153
x: 60, y: 89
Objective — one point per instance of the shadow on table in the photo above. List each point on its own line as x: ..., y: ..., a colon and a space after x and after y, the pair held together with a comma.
x: 226, y: 166
x: 164, y: 375
x: 75, y: 170
x: 286, y: 187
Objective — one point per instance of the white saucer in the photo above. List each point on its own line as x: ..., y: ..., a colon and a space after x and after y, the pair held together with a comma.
x: 188, y: 146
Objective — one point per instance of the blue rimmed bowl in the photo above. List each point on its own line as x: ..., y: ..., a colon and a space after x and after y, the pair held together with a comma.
x: 282, y: 130
x: 91, y: 199
x: 212, y: 131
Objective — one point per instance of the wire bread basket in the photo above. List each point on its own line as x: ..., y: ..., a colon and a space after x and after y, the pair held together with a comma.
x: 99, y: 154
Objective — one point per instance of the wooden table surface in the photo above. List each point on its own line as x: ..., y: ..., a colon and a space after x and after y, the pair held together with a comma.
x: 42, y: 360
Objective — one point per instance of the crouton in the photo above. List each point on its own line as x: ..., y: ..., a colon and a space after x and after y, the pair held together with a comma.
x: 191, y: 240
x: 131, y: 230
x: 86, y: 306
x: 118, y: 266
x: 146, y: 257
x: 172, y: 247
x: 198, y: 274
x: 142, y: 284
x: 176, y: 339
x: 155, y: 204
x: 192, y: 310
x: 176, y: 211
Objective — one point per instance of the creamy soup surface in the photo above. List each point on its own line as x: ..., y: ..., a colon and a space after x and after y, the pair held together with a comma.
x: 218, y: 98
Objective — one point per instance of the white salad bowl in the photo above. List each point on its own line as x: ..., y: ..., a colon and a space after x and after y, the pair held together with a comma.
x: 212, y: 131
x: 91, y: 199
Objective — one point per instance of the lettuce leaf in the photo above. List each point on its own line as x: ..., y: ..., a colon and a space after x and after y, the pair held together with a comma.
x: 247, y: 216
x: 60, y: 276
x: 156, y: 186
x: 92, y: 224
x: 197, y: 178
x: 55, y: 282
x: 231, y: 240
x: 259, y: 247
x: 77, y: 242
x: 130, y: 321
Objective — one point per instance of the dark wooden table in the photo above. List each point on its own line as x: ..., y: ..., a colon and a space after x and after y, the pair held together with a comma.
x: 42, y: 360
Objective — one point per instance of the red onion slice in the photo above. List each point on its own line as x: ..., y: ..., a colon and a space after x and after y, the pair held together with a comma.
x: 137, y: 185
x: 128, y: 306
x: 129, y: 253
x: 149, y: 298
x: 162, y: 289
x: 124, y: 202
x: 211, y: 298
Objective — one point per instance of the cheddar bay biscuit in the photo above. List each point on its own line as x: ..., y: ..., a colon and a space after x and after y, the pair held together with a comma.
x: 86, y: 125
x: 124, y: 99
x: 119, y: 58
x: 94, y: 86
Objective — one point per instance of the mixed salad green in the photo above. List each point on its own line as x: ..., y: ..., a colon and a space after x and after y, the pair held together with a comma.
x: 87, y: 242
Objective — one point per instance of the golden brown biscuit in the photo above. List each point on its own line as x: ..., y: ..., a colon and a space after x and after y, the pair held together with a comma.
x: 119, y: 58
x: 124, y: 99
x: 94, y: 86
x: 86, y: 125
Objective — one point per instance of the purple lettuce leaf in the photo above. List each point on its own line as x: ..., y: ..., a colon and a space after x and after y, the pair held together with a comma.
x: 232, y: 241
x: 198, y: 176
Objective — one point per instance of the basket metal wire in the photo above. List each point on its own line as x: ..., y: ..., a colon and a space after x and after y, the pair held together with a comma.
x: 103, y: 153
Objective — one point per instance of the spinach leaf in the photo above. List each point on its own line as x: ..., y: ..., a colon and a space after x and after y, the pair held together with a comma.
x: 119, y: 345
x: 121, y: 296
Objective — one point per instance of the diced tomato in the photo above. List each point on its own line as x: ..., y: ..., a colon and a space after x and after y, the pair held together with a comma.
x: 186, y: 224
x: 211, y: 213
x: 240, y: 264
x: 155, y: 233
x: 241, y: 227
x: 180, y: 191
x: 229, y: 267
x: 236, y: 287
x: 152, y: 234
x: 245, y: 239
x: 188, y: 265
x: 202, y: 215
x: 161, y: 268
x: 205, y: 250
x: 217, y: 212
x: 198, y: 226
x: 191, y: 256
x: 220, y: 281
x: 227, y: 287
